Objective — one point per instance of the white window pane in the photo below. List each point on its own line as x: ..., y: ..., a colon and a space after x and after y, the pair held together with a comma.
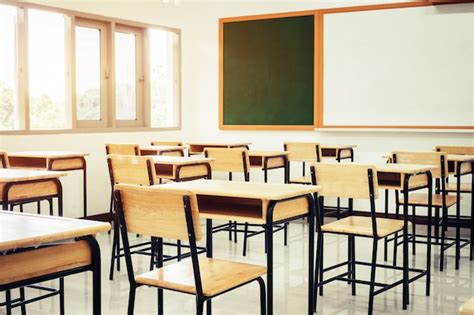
x: 8, y: 68
x: 46, y: 57
x: 164, y: 111
x: 88, y: 73
x: 125, y: 76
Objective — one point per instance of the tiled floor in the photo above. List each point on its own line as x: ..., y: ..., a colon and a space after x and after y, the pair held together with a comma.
x: 449, y: 288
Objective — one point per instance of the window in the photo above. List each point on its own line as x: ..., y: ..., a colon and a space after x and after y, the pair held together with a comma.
x: 61, y: 71
x: 47, y: 72
x: 8, y: 68
x: 128, y: 75
x: 91, y: 67
x: 164, y: 89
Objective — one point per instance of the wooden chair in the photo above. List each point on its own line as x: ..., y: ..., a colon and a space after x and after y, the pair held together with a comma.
x: 164, y: 213
x: 302, y: 152
x: 460, y: 150
x: 353, y: 181
x: 119, y: 149
x: 122, y: 149
x: 127, y: 169
x: 440, y: 200
x: 167, y: 142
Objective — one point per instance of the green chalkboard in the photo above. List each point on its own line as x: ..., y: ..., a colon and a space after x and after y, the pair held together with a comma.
x: 268, y: 72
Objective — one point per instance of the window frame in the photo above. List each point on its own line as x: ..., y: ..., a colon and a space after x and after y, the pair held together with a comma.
x: 108, y: 123
x: 104, y: 70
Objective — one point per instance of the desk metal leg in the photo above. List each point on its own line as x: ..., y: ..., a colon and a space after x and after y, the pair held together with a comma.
x: 269, y: 242
x: 405, y: 244
x: 96, y: 274
x: 458, y: 215
x: 84, y: 187
x: 209, y: 255
x: 472, y: 213
x: 385, y: 241
x: 311, y: 271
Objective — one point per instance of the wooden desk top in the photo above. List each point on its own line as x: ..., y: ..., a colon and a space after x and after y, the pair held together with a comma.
x: 267, y: 153
x: 411, y: 169
x: 25, y: 230
x: 179, y: 160
x: 162, y: 147
x: 251, y: 190
x: 451, y: 157
x: 19, y: 175
x: 467, y: 308
x: 338, y: 146
x: 48, y: 154
x: 460, y: 158
x: 223, y: 144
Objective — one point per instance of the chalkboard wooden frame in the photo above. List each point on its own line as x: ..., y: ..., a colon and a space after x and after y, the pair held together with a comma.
x: 222, y: 21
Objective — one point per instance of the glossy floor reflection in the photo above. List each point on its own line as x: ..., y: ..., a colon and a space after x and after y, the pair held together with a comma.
x: 449, y: 289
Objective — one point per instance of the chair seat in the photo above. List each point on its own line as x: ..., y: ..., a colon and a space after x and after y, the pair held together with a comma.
x: 301, y: 180
x: 217, y: 276
x: 452, y: 187
x: 422, y: 200
x: 362, y: 226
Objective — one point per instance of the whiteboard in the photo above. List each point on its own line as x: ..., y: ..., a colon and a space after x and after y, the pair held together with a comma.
x: 394, y: 67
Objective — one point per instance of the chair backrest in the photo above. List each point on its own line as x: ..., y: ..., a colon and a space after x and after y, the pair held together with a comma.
x: 158, y: 212
x: 449, y: 149
x: 167, y: 142
x: 345, y: 180
x: 228, y: 159
x: 301, y: 151
x: 136, y: 170
x: 439, y: 159
x: 3, y: 159
x: 122, y: 149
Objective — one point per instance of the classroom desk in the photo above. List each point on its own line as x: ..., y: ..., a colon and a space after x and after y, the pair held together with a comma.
x: 24, y: 185
x: 53, y: 161
x: 198, y: 147
x: 169, y: 150
x: 269, y: 160
x: 338, y: 151
x: 33, y: 252
x: 260, y: 203
x: 459, y: 165
x: 177, y: 168
x: 406, y: 178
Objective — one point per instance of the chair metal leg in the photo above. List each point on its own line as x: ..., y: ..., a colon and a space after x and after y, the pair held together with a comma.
x: 61, y: 296
x: 385, y: 240
x: 444, y: 226
x: 413, y: 231
x: 317, y: 268
x: 209, y: 307
x: 115, y: 248
x: 131, y: 300
x: 199, y: 306
x: 246, y: 228
x: 38, y: 207
x: 235, y: 232
x: 263, y: 294
x: 353, y: 264
x: 51, y: 210
x: 285, y: 232
x: 321, y: 264
x: 230, y: 230
x: 372, y: 277
x: 160, y: 301
x: 178, y: 249
x: 8, y: 302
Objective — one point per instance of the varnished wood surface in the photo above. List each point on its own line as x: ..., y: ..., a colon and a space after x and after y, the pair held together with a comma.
x: 301, y: 180
x: 252, y: 190
x: 179, y: 160
x: 167, y: 142
x: 467, y: 308
x: 48, y: 154
x: 220, y: 144
x: 411, y: 169
x: 228, y: 159
x: 356, y: 225
x: 452, y: 187
x: 20, y: 175
x: 24, y: 230
x: 161, y: 148
x: 338, y: 146
x: 158, y: 212
x: 217, y: 275
x: 422, y: 200
x: 460, y: 158
x: 451, y: 149
x: 44, y: 261
x: 253, y: 153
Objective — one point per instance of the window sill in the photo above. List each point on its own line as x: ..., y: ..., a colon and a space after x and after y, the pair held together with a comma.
x: 85, y: 130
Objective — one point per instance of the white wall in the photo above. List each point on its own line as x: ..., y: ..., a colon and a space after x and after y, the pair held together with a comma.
x: 199, y: 24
